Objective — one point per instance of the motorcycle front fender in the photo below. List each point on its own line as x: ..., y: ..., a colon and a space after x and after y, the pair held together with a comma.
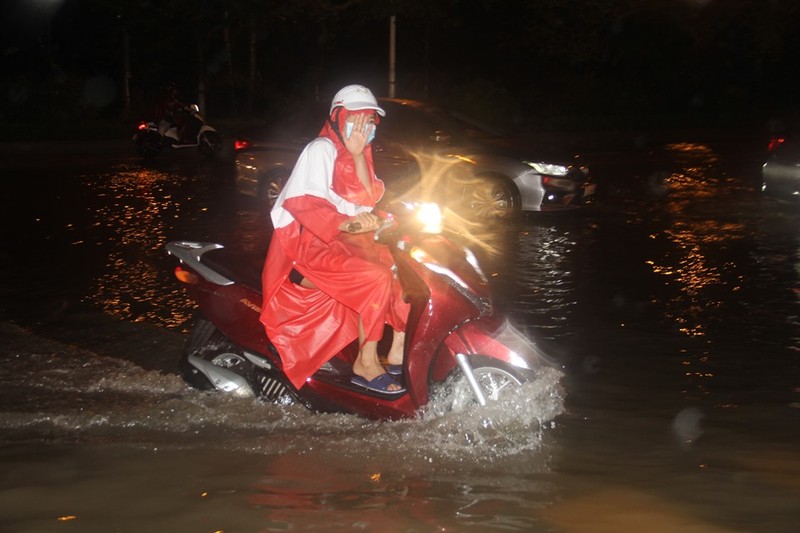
x: 489, y: 338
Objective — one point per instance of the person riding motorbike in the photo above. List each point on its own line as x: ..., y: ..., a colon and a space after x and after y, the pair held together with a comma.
x: 326, y: 282
x: 168, y: 112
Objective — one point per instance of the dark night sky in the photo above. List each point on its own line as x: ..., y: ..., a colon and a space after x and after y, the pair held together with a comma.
x: 541, y: 58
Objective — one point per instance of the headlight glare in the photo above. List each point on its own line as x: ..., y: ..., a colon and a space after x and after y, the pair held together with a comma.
x: 430, y: 216
x: 548, y: 169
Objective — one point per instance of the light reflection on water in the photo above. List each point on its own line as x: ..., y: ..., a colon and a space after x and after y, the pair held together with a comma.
x: 546, y: 275
x: 138, y: 210
x: 693, y: 236
x: 693, y: 272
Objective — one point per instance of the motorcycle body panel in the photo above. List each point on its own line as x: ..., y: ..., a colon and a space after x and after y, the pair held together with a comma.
x: 235, y: 311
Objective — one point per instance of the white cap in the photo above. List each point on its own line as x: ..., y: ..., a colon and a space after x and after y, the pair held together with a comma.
x: 356, y: 98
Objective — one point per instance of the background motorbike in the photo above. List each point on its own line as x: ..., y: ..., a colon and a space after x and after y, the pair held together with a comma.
x: 454, y: 339
x: 194, y: 132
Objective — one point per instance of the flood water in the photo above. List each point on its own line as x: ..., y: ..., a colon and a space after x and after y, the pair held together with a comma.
x: 670, y: 308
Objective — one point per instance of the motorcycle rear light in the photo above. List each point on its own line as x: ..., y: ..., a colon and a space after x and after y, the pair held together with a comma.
x: 774, y: 143
x: 186, y: 276
x: 240, y: 144
x: 142, y: 126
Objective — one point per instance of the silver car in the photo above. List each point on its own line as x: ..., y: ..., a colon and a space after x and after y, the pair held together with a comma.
x: 780, y: 175
x: 423, y: 150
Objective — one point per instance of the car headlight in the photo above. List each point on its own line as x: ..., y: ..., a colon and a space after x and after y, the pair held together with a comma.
x: 548, y: 169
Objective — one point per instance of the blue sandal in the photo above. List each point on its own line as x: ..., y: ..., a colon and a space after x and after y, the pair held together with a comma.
x: 379, y: 384
x: 394, y: 370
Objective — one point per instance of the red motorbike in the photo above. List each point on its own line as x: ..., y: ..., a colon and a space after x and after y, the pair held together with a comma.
x: 454, y: 338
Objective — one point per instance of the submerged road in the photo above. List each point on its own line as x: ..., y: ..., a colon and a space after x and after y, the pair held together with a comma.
x: 670, y: 307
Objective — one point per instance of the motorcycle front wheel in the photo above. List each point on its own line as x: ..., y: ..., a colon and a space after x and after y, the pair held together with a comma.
x: 496, y: 380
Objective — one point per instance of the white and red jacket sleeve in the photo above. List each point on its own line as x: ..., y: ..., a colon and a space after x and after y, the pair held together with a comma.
x: 308, y: 197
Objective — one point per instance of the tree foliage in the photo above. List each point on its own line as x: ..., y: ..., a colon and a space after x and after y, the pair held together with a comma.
x: 531, y: 57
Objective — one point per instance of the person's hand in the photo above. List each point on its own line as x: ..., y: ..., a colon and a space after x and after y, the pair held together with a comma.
x: 357, y: 141
x: 361, y: 223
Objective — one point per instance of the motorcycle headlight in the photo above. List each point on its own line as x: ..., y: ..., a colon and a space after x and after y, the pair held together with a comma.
x: 548, y: 169
x: 430, y: 216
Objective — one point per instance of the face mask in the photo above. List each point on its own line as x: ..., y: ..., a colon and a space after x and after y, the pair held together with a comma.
x: 348, y: 130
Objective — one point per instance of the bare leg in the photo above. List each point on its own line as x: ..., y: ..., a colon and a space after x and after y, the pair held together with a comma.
x: 395, y: 356
x: 367, y: 365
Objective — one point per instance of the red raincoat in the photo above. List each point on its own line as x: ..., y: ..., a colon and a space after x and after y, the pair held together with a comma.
x: 351, y: 271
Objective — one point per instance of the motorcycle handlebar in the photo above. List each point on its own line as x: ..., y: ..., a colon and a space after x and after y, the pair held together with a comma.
x: 386, y: 223
x: 383, y: 223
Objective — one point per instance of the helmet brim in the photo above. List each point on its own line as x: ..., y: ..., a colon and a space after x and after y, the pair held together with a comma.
x: 361, y: 106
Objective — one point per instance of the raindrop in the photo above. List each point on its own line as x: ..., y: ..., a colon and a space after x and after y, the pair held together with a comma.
x: 687, y: 425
